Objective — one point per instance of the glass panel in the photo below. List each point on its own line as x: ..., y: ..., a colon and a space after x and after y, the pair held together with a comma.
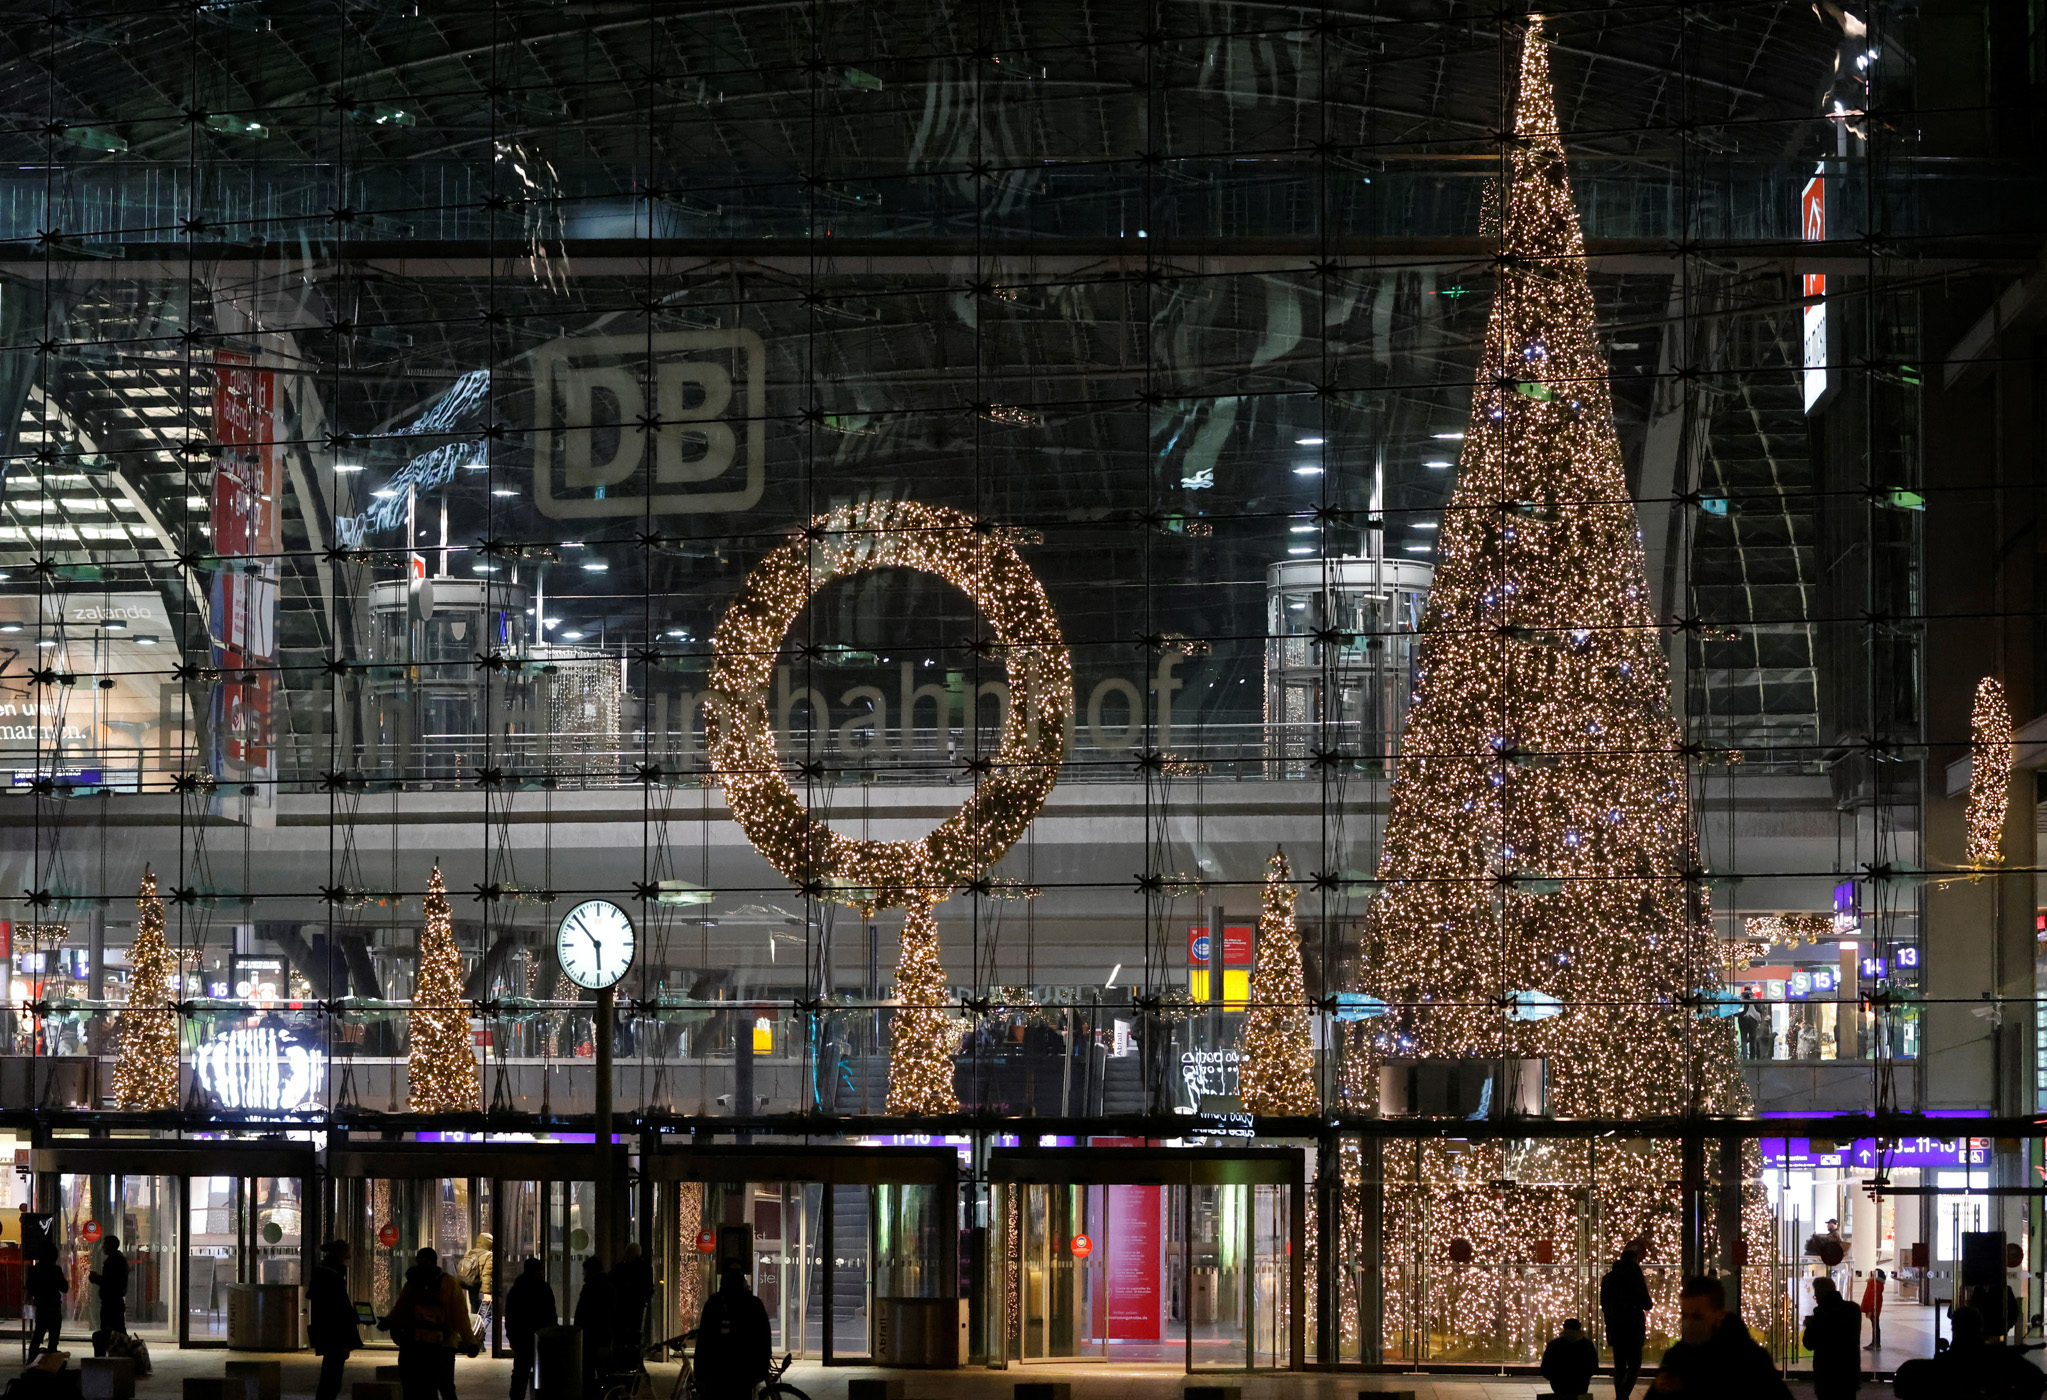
x: 136, y: 1210
x: 519, y: 1238
x: 216, y: 1218
x: 852, y: 1300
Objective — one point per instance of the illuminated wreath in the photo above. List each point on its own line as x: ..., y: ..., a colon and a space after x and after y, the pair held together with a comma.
x: 981, y: 561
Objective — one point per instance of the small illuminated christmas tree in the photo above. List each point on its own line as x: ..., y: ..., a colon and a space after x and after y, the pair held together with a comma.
x: 443, y: 1062
x: 1276, y: 1055
x: 146, y: 1072
x: 920, y: 1037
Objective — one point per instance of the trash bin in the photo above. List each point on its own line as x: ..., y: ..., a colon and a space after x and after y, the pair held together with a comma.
x: 558, y: 1363
x: 263, y: 1316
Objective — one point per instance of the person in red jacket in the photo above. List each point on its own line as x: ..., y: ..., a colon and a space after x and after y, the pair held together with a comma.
x: 1873, y: 1307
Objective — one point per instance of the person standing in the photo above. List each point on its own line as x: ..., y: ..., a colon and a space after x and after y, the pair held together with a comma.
x: 112, y: 1280
x: 1624, y: 1304
x: 1873, y: 1307
x: 45, y: 1285
x: 632, y: 1289
x: 1714, y: 1357
x: 1833, y: 1334
x: 1569, y: 1361
x: 430, y: 1321
x: 596, y: 1318
x: 529, y: 1306
x: 331, y: 1324
x: 734, y: 1346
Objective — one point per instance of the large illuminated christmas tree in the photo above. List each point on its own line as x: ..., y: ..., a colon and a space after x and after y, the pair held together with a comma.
x: 1541, y: 897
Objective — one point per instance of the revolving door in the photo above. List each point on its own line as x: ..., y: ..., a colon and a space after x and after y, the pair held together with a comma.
x: 1189, y: 1257
x: 852, y: 1250
x: 496, y: 1203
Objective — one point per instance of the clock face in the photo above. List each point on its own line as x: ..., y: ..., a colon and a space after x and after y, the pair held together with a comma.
x: 595, y: 944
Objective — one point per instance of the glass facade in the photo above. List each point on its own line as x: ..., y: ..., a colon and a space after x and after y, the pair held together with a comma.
x: 402, y: 407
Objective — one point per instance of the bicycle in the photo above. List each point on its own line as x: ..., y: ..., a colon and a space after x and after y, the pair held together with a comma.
x: 775, y: 1388
x: 627, y: 1386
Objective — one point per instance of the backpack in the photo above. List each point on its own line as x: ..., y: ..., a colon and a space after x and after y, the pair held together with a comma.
x: 132, y: 1347
x: 429, y: 1321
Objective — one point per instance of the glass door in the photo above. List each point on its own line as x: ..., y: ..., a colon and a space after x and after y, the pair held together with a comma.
x: 518, y: 1235
x: 786, y: 1237
x: 1219, y: 1276
x: 1063, y: 1312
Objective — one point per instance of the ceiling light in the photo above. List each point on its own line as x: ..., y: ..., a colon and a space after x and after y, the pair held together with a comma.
x: 10, y: 627
x: 348, y: 466
x: 1308, y: 442
x: 678, y: 632
x: 595, y: 566
x: 549, y: 621
x: 1448, y: 437
x: 114, y: 624
x: 145, y: 641
x: 483, y: 568
x: 572, y: 636
x: 47, y: 642
x: 385, y: 493
x: 1304, y: 529
x: 1307, y: 471
x: 1426, y: 525
x: 1301, y: 549
x: 502, y: 491
x: 196, y: 501
x: 1420, y: 549
x: 1437, y: 466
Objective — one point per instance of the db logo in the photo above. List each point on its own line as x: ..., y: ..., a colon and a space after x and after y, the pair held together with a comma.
x: 91, y: 1232
x: 387, y: 1236
x: 707, y: 1243
x: 1082, y: 1246
x: 626, y: 424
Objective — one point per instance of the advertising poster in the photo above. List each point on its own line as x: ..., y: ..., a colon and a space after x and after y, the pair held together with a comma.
x: 1131, y: 1263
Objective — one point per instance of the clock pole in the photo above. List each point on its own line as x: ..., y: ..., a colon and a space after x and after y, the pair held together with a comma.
x: 607, y: 1197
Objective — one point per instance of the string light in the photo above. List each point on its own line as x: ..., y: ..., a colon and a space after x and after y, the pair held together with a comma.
x: 1276, y: 1055
x: 146, y: 1073
x: 1990, y: 767
x: 920, y: 1035
x: 443, y: 1058
x: 1789, y: 930
x: 982, y: 562
x: 1540, y: 838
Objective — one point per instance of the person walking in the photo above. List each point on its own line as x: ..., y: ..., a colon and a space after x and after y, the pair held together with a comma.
x: 596, y: 1318
x: 1569, y: 1361
x: 632, y: 1289
x: 734, y: 1346
x: 1873, y: 1307
x: 476, y: 1270
x: 1624, y: 1305
x: 112, y: 1280
x: 1833, y: 1334
x: 330, y: 1322
x: 529, y: 1307
x: 430, y: 1322
x: 45, y: 1285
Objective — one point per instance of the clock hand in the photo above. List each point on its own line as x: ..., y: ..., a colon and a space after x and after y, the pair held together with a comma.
x: 596, y: 947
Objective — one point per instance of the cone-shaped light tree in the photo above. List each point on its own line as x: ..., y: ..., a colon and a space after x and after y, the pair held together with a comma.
x: 443, y: 1062
x: 146, y: 1073
x: 1541, y: 899
x: 1276, y: 1055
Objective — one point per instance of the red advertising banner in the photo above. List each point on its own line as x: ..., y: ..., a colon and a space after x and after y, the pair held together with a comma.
x: 1239, y: 941
x: 1812, y: 221
x: 244, y: 595
x: 1130, y: 1263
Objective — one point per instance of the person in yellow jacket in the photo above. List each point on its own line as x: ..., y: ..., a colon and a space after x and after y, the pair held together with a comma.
x: 430, y: 1323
